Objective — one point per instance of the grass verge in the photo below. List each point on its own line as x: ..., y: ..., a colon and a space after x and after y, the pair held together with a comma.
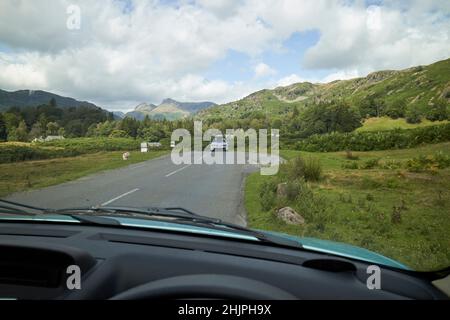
x: 28, y: 175
x: 363, y: 207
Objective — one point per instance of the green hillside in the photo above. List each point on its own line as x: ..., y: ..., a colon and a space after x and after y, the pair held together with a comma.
x: 378, y: 94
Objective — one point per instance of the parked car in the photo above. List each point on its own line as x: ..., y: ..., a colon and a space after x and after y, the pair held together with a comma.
x: 219, y: 143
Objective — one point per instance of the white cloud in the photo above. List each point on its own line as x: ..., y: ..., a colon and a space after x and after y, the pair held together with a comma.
x: 158, y: 50
x: 341, y: 75
x: 263, y: 70
x: 291, y: 79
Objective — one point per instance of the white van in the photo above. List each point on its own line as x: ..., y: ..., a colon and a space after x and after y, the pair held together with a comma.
x: 219, y: 143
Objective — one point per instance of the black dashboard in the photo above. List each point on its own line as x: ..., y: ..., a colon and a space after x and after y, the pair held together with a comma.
x: 127, y: 263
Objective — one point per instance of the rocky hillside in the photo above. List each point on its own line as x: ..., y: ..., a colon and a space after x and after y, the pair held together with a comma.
x: 169, y: 109
x: 419, y: 86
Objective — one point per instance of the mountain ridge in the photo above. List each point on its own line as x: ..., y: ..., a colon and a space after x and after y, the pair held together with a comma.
x: 168, y: 109
x: 34, y: 98
x: 420, y: 86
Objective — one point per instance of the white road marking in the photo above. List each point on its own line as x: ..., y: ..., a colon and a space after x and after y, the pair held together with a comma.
x: 118, y: 197
x: 176, y: 171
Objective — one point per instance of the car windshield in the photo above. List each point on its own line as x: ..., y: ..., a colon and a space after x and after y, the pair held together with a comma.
x: 283, y: 124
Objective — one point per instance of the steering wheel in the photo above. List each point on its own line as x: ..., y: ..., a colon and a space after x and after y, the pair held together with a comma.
x: 205, y: 286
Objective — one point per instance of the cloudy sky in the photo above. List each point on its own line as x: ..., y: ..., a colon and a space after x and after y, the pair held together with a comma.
x: 118, y: 53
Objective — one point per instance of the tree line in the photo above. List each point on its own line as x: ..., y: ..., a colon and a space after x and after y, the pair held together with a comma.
x: 25, y: 124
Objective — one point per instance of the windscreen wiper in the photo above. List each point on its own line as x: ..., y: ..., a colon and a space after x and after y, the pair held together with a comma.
x: 98, y: 215
x: 184, y: 216
x: 14, y: 208
x: 19, y: 208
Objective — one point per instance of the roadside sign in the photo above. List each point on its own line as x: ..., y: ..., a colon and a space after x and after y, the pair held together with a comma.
x: 144, y: 147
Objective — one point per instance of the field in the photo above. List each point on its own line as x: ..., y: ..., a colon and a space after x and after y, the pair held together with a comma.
x: 25, y: 166
x: 386, y: 123
x: 401, y: 211
x: 20, y: 151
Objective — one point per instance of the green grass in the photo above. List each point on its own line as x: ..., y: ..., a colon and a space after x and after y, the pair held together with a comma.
x: 360, y: 206
x: 28, y: 175
x: 21, y: 151
x: 335, y: 160
x: 386, y: 123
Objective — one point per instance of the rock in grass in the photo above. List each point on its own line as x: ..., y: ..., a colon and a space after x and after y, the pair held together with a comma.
x: 288, y: 215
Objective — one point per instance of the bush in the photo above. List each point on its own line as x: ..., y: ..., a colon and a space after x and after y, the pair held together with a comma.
x: 427, y: 163
x: 293, y: 190
x: 313, y: 169
x: 350, y: 156
x: 301, y: 169
x: 15, y: 152
x: 267, y: 194
x: 413, y: 115
x: 370, y: 164
x: 390, y: 164
x: 378, y: 140
x: 350, y: 165
x: 438, y: 111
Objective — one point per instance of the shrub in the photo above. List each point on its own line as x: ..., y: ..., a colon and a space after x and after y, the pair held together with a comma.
x: 389, y: 164
x: 350, y: 165
x: 267, y: 194
x: 431, y: 162
x: 15, y: 152
x: 299, y: 168
x: 313, y: 169
x: 438, y: 111
x: 350, y: 156
x: 376, y: 140
x: 296, y: 168
x: 370, y: 164
x: 413, y: 115
x: 293, y: 190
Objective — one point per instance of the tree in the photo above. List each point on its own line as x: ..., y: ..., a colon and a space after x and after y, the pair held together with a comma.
x: 61, y: 132
x: 152, y: 134
x: 22, y: 131
x: 52, y: 128
x: 36, y: 131
x: 52, y: 103
x: 412, y: 114
x: 130, y: 126
x: 118, y: 134
x: 42, y: 120
x: 11, y: 120
x: 439, y: 111
x: 396, y: 109
x: 379, y: 105
x: 368, y: 108
x: 3, y: 133
x: 326, y: 118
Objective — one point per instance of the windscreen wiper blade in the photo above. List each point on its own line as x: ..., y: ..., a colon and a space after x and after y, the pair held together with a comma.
x: 183, y: 216
x: 98, y: 215
x: 20, y: 207
x: 14, y: 208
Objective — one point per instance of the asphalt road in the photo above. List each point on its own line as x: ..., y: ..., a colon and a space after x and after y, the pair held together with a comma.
x: 210, y: 190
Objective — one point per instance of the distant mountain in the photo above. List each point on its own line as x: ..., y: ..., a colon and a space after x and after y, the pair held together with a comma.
x: 118, y: 115
x: 29, y: 98
x: 419, y: 87
x: 168, y: 109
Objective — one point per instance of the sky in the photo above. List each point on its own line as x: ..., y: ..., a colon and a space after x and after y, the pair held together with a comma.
x: 119, y: 53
